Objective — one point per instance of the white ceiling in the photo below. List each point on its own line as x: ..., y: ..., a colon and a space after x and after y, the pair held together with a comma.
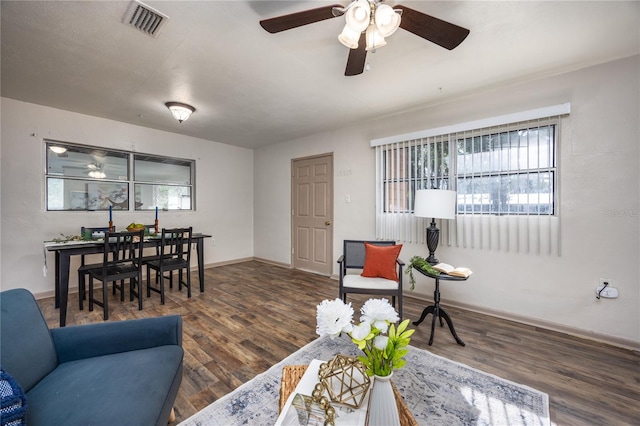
x: 251, y: 88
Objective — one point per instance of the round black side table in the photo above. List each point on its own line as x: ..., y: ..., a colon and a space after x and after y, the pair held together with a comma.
x: 435, y: 309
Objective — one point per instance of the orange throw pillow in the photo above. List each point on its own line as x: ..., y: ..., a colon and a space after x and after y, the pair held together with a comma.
x: 380, y: 261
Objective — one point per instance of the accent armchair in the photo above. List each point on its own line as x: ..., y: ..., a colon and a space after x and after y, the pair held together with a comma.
x: 378, y: 261
x: 123, y: 372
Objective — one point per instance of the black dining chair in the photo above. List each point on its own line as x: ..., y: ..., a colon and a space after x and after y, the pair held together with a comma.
x: 121, y: 262
x: 175, y: 255
x: 88, y: 232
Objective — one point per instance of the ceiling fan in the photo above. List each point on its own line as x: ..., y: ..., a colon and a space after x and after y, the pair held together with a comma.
x: 368, y: 22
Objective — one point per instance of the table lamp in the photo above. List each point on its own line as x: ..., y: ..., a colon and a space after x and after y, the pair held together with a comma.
x: 436, y: 204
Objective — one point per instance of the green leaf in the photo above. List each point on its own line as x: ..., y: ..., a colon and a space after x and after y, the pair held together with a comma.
x: 400, y: 363
x: 402, y: 327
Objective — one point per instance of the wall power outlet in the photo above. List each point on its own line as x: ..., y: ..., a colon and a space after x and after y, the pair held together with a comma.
x: 607, y: 292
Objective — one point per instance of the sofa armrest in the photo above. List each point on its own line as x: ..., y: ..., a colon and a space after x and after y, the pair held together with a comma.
x: 91, y: 340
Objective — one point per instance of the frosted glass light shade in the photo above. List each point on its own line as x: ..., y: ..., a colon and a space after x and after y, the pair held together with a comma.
x: 180, y: 112
x: 374, y: 39
x: 435, y: 204
x: 358, y: 16
x: 349, y: 38
x: 387, y: 20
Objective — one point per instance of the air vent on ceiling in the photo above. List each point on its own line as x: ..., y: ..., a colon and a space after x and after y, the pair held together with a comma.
x: 145, y: 18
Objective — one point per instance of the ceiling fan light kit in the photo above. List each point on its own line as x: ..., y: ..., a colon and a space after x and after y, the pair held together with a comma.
x: 367, y: 23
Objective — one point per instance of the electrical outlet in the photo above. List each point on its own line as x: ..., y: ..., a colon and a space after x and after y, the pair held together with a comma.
x: 606, y: 290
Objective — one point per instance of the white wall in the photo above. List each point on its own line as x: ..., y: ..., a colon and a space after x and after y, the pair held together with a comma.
x: 224, y: 189
x: 598, y: 160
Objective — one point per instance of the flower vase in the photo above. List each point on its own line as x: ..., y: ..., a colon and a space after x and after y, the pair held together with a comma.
x: 383, y: 410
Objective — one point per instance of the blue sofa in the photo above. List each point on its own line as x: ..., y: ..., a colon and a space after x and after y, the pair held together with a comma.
x: 112, y: 373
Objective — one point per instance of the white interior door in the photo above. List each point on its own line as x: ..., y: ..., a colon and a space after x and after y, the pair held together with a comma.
x: 312, y: 214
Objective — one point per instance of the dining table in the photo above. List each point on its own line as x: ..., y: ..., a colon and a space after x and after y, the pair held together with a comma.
x: 64, y: 250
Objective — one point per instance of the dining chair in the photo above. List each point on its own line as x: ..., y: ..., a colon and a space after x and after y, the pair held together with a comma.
x: 175, y: 255
x: 87, y: 232
x: 120, y: 262
x: 381, y: 270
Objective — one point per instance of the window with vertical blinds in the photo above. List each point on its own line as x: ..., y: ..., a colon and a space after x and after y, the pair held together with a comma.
x: 505, y: 175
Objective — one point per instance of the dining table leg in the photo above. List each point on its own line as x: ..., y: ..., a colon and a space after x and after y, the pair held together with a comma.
x: 200, y: 255
x: 57, y: 280
x: 63, y: 259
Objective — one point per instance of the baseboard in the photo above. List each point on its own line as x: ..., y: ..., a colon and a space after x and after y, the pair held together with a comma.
x: 271, y: 262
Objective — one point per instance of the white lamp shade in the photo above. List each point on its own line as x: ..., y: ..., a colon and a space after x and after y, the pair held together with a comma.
x: 374, y: 39
x: 387, y: 20
x: 435, y: 203
x: 349, y: 38
x: 358, y: 16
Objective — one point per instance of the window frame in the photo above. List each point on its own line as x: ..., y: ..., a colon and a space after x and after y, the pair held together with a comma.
x: 451, y: 178
x: 127, y: 183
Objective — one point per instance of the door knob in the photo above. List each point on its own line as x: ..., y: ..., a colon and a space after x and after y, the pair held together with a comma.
x: 328, y: 222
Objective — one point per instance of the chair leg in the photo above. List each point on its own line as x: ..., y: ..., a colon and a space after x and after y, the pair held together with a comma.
x: 90, y: 294
x: 161, y: 287
x: 105, y: 300
x: 149, y: 281
x: 188, y: 283
x: 82, y: 289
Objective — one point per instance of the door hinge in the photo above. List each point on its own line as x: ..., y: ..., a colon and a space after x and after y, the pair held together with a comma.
x: 293, y: 251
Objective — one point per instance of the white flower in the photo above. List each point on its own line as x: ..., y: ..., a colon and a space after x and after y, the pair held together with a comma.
x: 379, y: 313
x: 380, y: 342
x: 333, y: 318
x: 360, y: 332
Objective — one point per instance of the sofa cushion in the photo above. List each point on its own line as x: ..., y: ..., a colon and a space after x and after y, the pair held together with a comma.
x: 123, y: 388
x: 23, y: 329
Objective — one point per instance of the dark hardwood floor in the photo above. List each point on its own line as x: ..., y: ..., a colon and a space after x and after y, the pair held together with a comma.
x: 253, y: 315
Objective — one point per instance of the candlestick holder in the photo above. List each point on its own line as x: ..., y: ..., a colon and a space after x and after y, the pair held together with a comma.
x: 110, y: 226
x: 156, y: 226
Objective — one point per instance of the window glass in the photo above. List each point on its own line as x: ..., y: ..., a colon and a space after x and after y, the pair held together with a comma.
x: 86, y: 162
x: 163, y: 182
x: 80, y: 177
x: 509, y: 172
x: 502, y: 172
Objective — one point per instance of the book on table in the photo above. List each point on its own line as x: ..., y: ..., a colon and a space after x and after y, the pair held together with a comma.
x: 460, y: 271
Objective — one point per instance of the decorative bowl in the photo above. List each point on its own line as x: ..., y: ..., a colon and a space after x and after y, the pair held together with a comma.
x: 135, y: 229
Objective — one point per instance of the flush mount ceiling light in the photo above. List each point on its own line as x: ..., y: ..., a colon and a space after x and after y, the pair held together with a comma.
x: 180, y: 111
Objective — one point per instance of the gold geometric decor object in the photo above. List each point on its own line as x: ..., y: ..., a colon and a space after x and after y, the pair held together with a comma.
x: 345, y: 379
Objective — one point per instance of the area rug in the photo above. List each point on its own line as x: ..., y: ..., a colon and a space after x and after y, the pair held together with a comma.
x: 436, y: 390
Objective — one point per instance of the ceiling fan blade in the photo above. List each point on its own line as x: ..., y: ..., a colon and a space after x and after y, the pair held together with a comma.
x: 357, y: 58
x: 435, y: 30
x: 298, y: 19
